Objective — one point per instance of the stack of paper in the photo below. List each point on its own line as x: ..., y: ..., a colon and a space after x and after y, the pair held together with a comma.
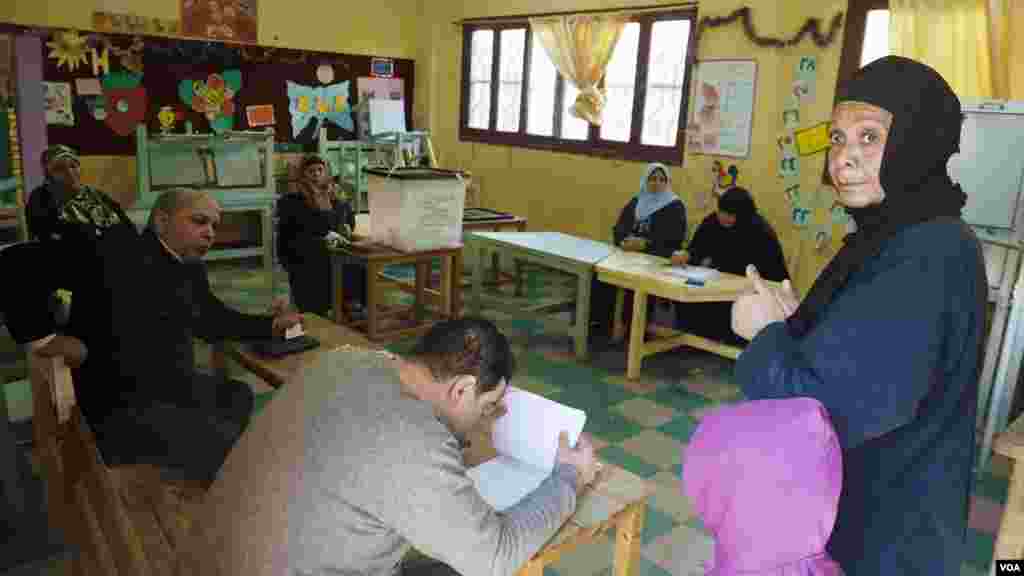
x: 526, y: 439
x: 695, y: 273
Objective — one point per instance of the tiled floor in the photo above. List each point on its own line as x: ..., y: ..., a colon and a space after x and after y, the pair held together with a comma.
x: 641, y: 426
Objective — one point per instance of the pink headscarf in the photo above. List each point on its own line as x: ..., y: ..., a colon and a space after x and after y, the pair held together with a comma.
x: 765, y: 476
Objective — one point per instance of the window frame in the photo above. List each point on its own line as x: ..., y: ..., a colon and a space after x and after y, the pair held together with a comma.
x: 593, y: 145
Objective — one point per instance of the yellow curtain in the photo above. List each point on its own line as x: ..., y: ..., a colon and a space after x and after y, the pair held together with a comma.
x: 952, y: 36
x: 580, y: 46
x: 1006, y: 24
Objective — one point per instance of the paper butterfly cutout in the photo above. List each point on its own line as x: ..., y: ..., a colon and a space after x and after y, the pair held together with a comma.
x: 322, y: 103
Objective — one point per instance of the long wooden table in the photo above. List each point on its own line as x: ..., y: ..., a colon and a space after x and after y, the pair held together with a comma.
x: 278, y: 371
x: 375, y: 257
x: 648, y: 275
x: 569, y: 254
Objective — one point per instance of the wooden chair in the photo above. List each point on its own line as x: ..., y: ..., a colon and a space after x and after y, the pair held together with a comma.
x: 124, y: 520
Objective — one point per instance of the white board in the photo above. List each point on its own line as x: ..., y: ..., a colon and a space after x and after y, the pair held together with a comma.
x: 990, y: 166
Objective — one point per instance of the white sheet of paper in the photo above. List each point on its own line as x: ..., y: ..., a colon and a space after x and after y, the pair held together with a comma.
x: 504, y: 481
x: 526, y: 439
x: 529, y: 431
x: 386, y: 116
x: 699, y: 273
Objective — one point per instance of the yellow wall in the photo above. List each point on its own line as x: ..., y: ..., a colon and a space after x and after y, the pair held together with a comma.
x: 379, y: 28
x: 583, y: 195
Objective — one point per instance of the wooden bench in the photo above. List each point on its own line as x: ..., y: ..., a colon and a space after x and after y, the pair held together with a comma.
x: 122, y: 520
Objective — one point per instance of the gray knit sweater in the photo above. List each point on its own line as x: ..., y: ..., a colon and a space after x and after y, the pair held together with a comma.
x: 361, y: 473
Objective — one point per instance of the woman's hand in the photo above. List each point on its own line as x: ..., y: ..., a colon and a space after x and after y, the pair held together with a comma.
x: 752, y: 312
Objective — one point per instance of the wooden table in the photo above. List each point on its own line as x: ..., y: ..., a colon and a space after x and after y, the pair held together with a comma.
x: 576, y: 256
x: 375, y: 257
x: 1010, y: 539
x: 277, y: 371
x: 496, y: 224
x: 647, y: 275
x: 618, y: 499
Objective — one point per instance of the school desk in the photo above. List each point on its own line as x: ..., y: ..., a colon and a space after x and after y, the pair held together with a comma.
x: 647, y: 275
x: 616, y: 500
x: 575, y: 256
x: 375, y: 258
x: 277, y: 371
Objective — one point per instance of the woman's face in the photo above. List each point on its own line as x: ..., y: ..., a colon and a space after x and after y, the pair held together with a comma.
x: 858, y: 136
x: 315, y: 173
x: 725, y: 219
x: 67, y: 171
x: 657, y: 182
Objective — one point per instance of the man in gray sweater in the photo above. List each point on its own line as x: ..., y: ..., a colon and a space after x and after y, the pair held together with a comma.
x: 362, y: 457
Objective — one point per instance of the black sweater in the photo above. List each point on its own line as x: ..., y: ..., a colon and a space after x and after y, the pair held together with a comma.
x: 665, y: 230
x: 301, y: 230
x: 152, y: 306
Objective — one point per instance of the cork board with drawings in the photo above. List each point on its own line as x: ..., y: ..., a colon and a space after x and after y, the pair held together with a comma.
x: 117, y: 82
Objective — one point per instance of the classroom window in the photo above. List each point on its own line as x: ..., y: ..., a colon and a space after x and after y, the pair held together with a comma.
x: 480, y: 79
x: 513, y: 95
x: 876, y: 37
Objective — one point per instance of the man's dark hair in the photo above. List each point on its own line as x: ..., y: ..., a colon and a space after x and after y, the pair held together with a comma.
x: 467, y: 347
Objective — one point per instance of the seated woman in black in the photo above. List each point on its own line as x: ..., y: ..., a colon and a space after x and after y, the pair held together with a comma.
x: 728, y: 240
x: 76, y: 217
x: 304, y: 221
x: 654, y: 222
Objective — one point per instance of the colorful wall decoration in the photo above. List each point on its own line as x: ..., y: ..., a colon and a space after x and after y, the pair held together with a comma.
x: 115, y: 82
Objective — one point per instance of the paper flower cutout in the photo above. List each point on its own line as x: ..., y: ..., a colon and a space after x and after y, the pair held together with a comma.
x: 214, y: 97
x: 69, y: 48
x: 125, y: 109
x: 323, y: 103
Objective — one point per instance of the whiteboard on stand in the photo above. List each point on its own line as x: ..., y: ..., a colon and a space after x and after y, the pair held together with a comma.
x: 990, y: 165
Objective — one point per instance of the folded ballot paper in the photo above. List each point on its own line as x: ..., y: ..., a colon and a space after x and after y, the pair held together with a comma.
x: 526, y: 439
x: 693, y: 273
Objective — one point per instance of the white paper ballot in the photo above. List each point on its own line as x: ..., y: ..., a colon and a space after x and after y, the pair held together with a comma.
x: 698, y: 273
x: 526, y: 439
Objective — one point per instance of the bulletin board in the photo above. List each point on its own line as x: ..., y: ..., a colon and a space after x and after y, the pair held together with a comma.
x: 99, y: 87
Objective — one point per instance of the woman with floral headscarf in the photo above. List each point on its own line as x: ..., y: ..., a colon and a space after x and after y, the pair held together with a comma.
x: 889, y: 337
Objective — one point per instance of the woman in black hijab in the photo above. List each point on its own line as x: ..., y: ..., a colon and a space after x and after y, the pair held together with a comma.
x: 889, y: 337
x: 729, y: 240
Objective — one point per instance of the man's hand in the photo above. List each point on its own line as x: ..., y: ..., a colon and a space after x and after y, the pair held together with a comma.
x: 581, y: 457
x: 70, y: 348
x: 285, y: 320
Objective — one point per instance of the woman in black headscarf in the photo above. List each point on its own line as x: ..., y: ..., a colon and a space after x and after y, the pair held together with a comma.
x: 729, y: 240
x: 889, y: 338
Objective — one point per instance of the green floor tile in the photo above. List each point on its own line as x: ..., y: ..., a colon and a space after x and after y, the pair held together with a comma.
x: 980, y: 548
x: 608, y: 426
x: 536, y: 385
x: 656, y: 525
x: 616, y: 455
x: 679, y: 398
x: 992, y: 487
x: 681, y: 428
